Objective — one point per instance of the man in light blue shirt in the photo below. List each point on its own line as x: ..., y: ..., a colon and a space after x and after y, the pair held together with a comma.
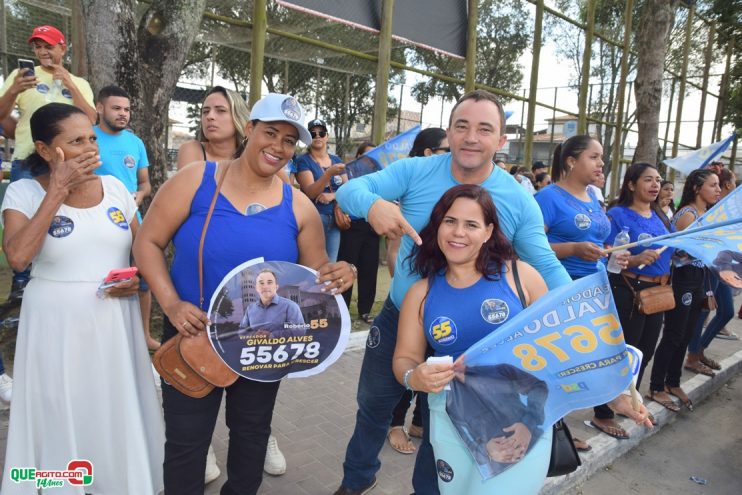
x: 272, y: 315
x: 474, y: 136
x: 124, y: 157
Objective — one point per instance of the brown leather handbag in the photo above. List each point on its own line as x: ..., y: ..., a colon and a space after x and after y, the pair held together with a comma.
x: 653, y: 299
x: 191, y: 365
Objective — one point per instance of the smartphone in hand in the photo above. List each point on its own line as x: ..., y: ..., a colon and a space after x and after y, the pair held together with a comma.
x: 116, y: 276
x: 24, y: 63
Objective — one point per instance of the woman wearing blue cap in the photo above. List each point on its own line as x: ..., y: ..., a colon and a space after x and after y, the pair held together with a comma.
x: 254, y: 215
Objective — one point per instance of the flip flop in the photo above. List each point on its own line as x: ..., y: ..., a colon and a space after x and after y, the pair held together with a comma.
x: 682, y: 397
x: 711, y: 363
x: 667, y: 404
x: 612, y: 431
x: 651, y: 418
x: 415, y: 431
x: 700, y: 368
x: 407, y: 438
x: 581, y: 445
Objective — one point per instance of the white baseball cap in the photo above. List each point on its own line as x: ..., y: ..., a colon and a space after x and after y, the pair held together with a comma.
x: 276, y: 107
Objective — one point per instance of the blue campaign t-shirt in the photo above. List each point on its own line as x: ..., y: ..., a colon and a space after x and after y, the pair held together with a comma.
x: 306, y: 162
x: 122, y: 154
x: 569, y: 219
x: 641, y: 228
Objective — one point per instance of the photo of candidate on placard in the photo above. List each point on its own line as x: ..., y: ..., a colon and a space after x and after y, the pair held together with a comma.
x: 270, y: 319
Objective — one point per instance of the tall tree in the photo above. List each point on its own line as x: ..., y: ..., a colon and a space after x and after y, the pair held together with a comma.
x: 144, y: 55
x: 655, y: 21
x: 728, y: 14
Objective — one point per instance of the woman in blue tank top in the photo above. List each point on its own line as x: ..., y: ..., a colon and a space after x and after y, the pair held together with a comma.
x: 255, y: 215
x: 467, y: 291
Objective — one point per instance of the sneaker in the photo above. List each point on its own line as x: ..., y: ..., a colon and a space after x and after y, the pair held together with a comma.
x: 362, y: 491
x: 275, y: 462
x: 212, y: 470
x: 6, y: 388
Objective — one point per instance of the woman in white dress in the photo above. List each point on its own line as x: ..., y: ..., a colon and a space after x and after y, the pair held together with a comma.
x: 84, y: 386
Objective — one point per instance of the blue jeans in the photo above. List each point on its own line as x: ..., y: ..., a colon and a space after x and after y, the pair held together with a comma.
x: 378, y: 394
x: 724, y: 312
x: 17, y: 172
x: 332, y: 236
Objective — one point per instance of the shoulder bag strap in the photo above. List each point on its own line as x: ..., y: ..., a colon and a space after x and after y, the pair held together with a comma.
x: 203, y: 236
x: 518, y: 286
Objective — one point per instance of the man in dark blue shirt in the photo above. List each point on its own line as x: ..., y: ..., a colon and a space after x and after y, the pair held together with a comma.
x: 272, y: 315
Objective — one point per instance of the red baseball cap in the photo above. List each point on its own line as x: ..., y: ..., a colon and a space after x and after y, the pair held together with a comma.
x: 50, y: 34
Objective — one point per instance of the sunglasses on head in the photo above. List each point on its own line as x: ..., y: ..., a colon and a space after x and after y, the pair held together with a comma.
x: 316, y: 134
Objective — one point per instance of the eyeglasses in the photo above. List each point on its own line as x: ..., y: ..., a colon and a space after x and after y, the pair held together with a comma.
x: 442, y: 149
x: 316, y: 134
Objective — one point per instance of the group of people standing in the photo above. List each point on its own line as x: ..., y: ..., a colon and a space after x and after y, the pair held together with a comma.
x: 480, y: 236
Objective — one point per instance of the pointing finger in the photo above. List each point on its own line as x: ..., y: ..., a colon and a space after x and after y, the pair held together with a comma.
x: 408, y: 230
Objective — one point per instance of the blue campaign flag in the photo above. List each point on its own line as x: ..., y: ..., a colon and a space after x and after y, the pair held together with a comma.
x: 564, y: 352
x: 397, y: 147
x: 716, y: 239
x: 701, y: 157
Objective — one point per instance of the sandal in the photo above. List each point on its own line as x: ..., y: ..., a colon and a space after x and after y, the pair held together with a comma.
x: 613, y: 430
x: 667, y: 403
x: 415, y: 431
x: 400, y: 447
x: 700, y: 368
x: 581, y: 445
x: 711, y: 363
x: 680, y: 394
x: 367, y: 318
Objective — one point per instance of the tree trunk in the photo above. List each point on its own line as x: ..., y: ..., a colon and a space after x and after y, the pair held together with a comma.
x: 655, y: 22
x: 145, y: 60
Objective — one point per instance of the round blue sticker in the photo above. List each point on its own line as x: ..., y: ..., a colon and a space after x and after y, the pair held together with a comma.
x: 42, y: 88
x: 117, y: 217
x: 445, y: 471
x: 582, y: 221
x: 254, y: 208
x: 66, y: 93
x: 61, y: 226
x: 494, y: 311
x: 686, y: 299
x: 374, y: 337
x: 443, y: 330
x: 290, y: 108
x: 129, y: 161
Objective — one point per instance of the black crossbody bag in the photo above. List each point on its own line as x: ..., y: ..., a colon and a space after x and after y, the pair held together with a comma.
x: 564, y: 456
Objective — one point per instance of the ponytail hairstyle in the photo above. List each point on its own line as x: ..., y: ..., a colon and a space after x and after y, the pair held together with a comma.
x: 693, y: 183
x: 46, y: 124
x: 572, y: 147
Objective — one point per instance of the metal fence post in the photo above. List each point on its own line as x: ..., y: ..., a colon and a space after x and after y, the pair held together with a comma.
x: 538, y: 24
x: 257, y: 49
x: 471, y: 46
x: 585, y: 76
x: 382, y: 71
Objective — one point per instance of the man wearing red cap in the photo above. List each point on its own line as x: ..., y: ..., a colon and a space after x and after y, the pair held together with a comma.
x: 28, y: 91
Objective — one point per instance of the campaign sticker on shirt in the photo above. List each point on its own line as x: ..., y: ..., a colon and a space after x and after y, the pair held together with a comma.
x: 374, y: 337
x: 66, y: 93
x: 445, y: 471
x: 582, y: 221
x: 254, y: 208
x: 686, y: 299
x: 61, y: 226
x: 644, y: 236
x: 494, y: 311
x: 270, y: 320
x: 42, y: 88
x: 443, y: 330
x: 117, y: 217
x: 130, y: 161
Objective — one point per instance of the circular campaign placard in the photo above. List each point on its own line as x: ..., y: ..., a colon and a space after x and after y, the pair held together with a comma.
x: 269, y: 320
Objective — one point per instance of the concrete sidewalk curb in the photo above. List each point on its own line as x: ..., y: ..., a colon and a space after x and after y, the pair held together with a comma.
x: 357, y: 341
x: 606, y: 449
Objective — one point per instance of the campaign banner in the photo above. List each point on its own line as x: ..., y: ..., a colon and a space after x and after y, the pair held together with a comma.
x: 564, y: 352
x: 378, y: 158
x: 715, y: 238
x: 270, y: 320
x: 700, y: 157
